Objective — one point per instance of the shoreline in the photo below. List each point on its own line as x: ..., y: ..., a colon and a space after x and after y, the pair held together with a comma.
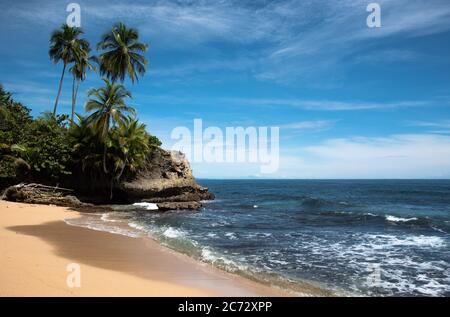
x: 123, y: 227
x: 38, y: 246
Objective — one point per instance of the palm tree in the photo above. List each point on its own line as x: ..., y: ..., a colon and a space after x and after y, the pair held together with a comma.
x: 108, y: 104
x: 122, y: 54
x: 81, y: 66
x: 87, y: 150
x: 130, y: 141
x: 129, y: 148
x: 65, y: 45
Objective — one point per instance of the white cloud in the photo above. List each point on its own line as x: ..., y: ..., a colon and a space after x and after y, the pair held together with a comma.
x: 317, y: 125
x: 396, y: 156
x: 406, y: 156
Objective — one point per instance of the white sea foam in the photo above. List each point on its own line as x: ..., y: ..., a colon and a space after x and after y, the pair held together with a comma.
x: 107, y: 217
x: 146, y: 206
x: 214, y: 258
x: 211, y: 201
x: 100, y: 225
x: 278, y: 261
x: 231, y: 235
x: 398, y: 219
x: 384, y: 241
x: 137, y: 226
x: 208, y: 255
x: 173, y: 233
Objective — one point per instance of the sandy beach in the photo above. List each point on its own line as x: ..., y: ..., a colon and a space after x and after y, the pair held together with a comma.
x: 37, y: 248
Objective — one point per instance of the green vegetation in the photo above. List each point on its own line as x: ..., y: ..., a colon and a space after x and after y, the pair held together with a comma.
x: 108, y: 104
x: 105, y: 145
x: 13, y: 118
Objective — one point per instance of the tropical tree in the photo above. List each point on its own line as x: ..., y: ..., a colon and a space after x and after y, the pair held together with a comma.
x: 87, y: 150
x: 65, y: 46
x: 14, y: 122
x: 14, y: 119
x: 5, y: 100
x: 122, y: 54
x: 45, y: 148
x: 110, y: 109
x: 130, y: 143
x: 82, y: 63
x: 5, y: 96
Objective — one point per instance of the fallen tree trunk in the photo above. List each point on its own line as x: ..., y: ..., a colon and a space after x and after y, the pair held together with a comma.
x: 41, y: 194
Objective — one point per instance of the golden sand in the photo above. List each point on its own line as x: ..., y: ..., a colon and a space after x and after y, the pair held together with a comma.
x: 37, y: 248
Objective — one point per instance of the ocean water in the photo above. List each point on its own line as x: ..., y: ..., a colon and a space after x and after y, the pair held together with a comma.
x: 352, y: 237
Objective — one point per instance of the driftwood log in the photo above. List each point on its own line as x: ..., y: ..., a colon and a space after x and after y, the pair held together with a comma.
x: 41, y: 194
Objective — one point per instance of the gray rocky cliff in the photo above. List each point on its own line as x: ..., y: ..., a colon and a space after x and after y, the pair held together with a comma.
x: 165, y: 178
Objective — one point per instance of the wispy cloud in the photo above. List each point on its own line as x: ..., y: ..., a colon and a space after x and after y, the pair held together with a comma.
x: 445, y: 124
x: 388, y: 56
x: 195, y: 68
x: 294, y: 38
x: 316, y: 125
x: 330, y: 105
x: 25, y: 86
x: 436, y: 127
x: 305, y: 104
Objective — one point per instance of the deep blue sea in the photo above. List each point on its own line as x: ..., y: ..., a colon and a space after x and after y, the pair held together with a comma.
x: 354, y: 237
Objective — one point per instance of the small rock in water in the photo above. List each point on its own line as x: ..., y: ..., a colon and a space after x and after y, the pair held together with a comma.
x: 191, y: 205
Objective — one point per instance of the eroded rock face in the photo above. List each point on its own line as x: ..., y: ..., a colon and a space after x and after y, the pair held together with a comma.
x: 167, y: 177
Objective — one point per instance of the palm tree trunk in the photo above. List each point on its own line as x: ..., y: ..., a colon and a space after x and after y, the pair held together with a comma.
x: 76, y: 91
x: 59, y: 89
x: 121, y: 171
x: 73, y: 98
x: 111, y: 189
x: 104, y: 147
x: 104, y: 160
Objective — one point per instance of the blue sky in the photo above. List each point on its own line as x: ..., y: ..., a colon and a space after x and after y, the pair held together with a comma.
x: 350, y: 101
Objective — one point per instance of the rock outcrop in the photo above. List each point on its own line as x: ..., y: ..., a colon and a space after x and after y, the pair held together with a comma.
x: 166, y: 178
